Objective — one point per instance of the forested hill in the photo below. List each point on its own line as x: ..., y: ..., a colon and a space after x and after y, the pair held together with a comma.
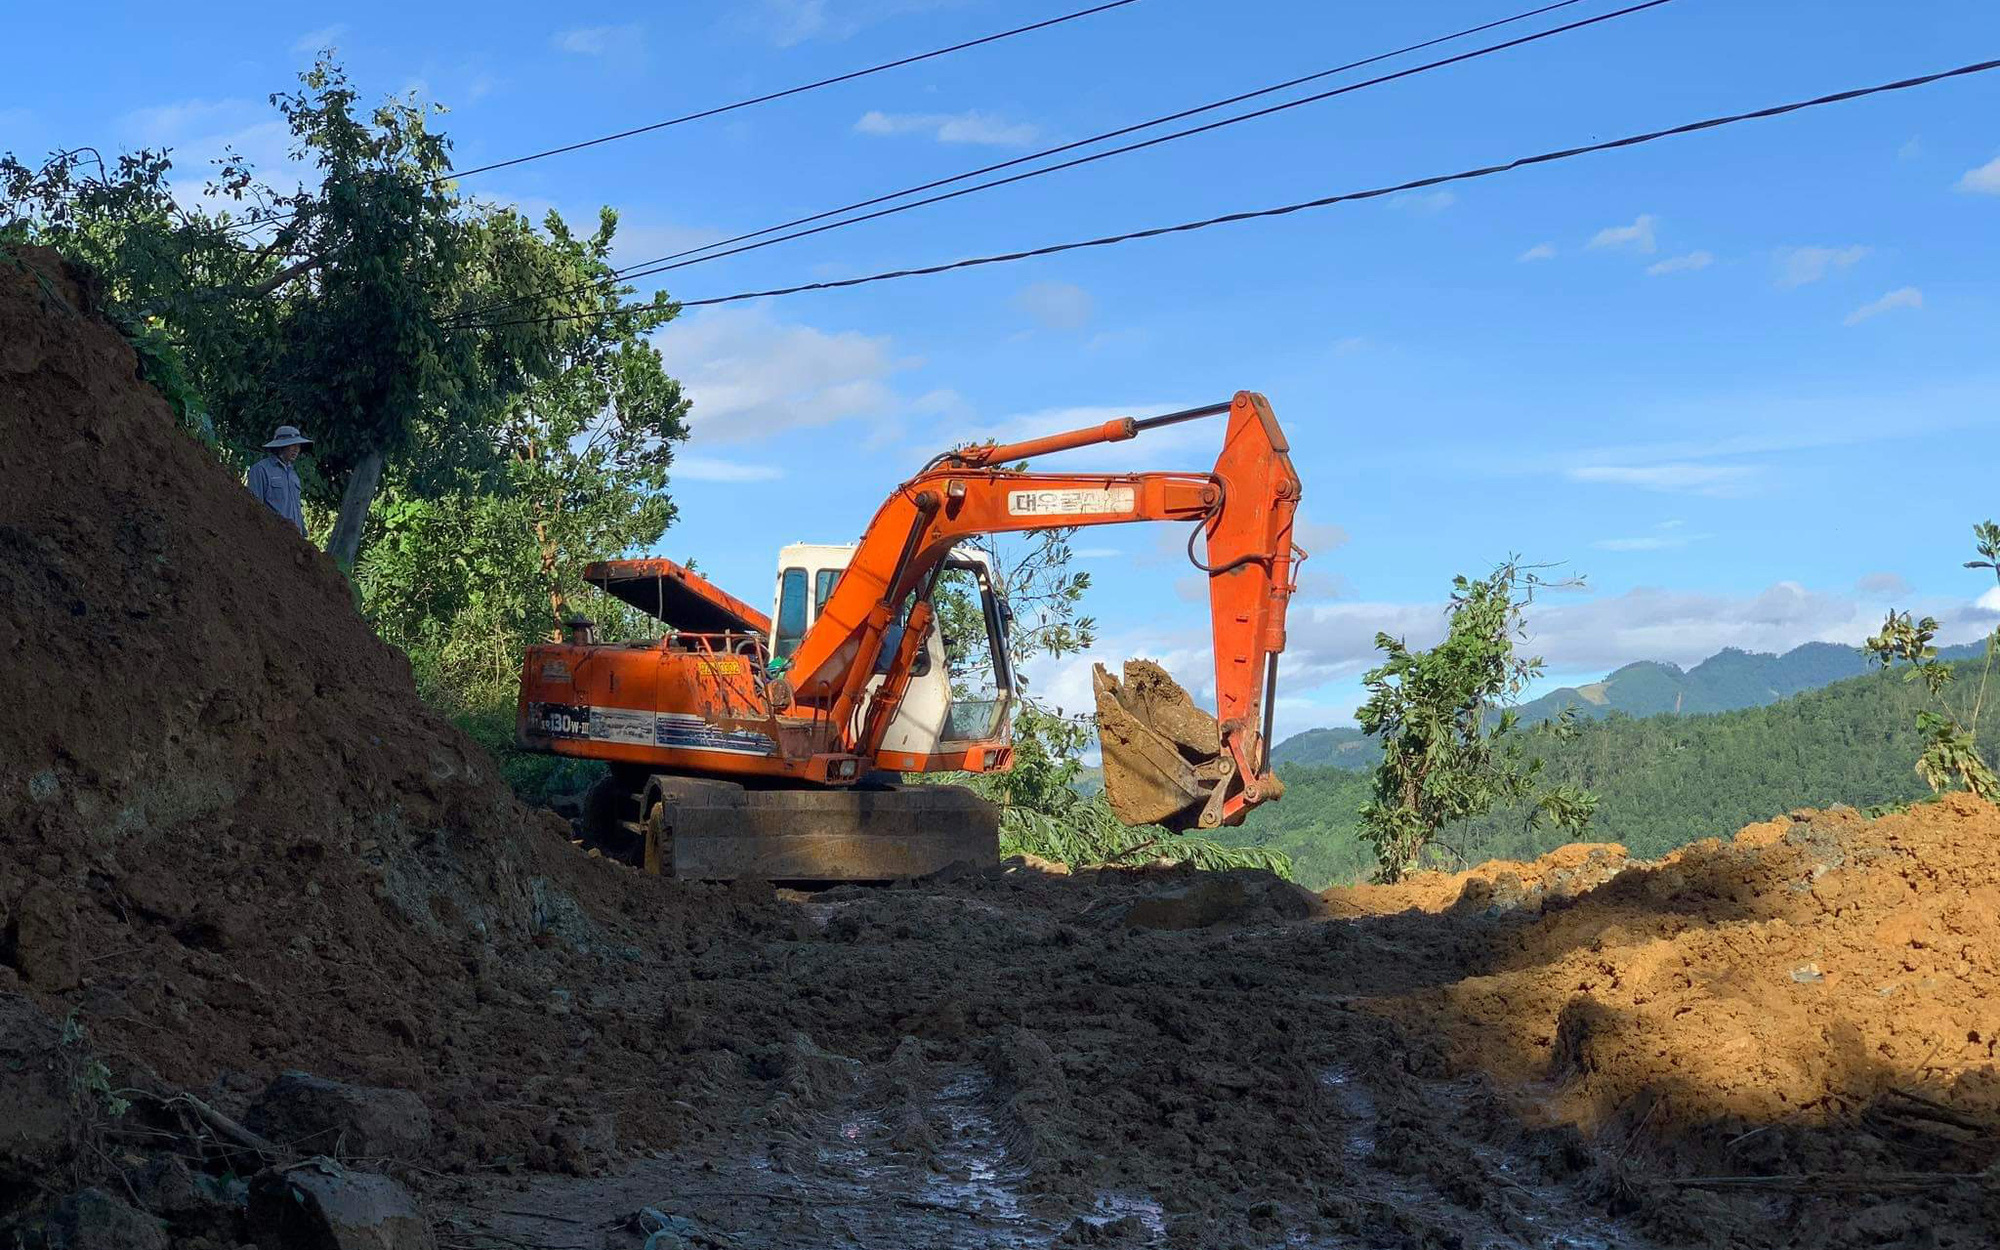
x: 1724, y: 682
x: 1662, y: 782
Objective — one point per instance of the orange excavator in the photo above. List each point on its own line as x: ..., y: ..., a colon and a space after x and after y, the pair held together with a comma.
x: 742, y: 745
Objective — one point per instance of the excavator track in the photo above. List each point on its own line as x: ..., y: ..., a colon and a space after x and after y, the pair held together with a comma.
x: 705, y: 829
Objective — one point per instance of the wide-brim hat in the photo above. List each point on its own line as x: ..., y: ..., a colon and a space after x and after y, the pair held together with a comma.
x: 287, y: 436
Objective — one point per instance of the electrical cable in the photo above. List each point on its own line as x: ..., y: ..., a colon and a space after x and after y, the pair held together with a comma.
x: 792, y: 91
x: 1487, y: 171
x: 766, y: 98
x: 1118, y: 133
x: 644, y: 269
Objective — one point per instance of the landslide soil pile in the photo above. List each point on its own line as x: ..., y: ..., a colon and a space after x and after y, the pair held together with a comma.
x: 1817, y: 996
x: 232, y: 839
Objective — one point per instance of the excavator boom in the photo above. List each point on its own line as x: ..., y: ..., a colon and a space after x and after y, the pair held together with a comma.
x: 1242, y: 511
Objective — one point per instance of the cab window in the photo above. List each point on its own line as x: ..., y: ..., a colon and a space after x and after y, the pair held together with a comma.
x: 791, y: 625
x: 823, y: 583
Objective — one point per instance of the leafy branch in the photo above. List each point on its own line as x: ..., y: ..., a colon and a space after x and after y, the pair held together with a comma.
x: 1446, y: 755
x: 1950, y: 728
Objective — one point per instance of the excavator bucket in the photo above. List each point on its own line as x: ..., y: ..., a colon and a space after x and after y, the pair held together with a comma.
x: 1163, y: 757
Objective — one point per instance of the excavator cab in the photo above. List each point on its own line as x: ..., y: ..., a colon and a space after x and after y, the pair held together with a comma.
x: 935, y: 727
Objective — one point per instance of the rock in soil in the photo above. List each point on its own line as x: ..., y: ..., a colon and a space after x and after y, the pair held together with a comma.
x: 91, y: 1219
x: 324, y: 1206
x: 312, y: 1115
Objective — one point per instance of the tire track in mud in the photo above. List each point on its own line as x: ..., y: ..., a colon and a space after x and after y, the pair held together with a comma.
x: 908, y: 1154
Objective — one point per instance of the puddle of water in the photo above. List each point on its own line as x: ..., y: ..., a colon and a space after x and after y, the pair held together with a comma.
x: 1116, y: 1206
x: 1547, y: 1210
x: 1358, y: 1105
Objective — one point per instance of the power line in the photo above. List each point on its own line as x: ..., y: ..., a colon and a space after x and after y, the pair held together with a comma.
x: 720, y: 109
x: 791, y: 91
x: 1120, y: 132
x: 643, y: 269
x: 1777, y: 110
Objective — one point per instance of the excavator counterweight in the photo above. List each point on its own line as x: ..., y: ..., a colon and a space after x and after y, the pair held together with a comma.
x: 778, y: 747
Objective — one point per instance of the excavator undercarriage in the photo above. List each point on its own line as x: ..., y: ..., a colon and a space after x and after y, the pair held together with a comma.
x: 703, y: 828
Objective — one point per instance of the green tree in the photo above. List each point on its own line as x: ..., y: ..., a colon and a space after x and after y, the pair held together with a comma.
x: 1445, y: 757
x: 465, y: 580
x: 1950, y: 726
x: 353, y: 308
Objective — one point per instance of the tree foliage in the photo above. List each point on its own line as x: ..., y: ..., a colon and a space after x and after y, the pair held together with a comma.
x: 1949, y: 725
x: 355, y: 307
x: 464, y: 580
x: 1445, y: 758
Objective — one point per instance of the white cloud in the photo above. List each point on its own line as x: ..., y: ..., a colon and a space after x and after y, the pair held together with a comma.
x: 1901, y: 297
x: 968, y: 127
x: 1985, y: 180
x: 751, y: 375
x: 1096, y: 553
x: 198, y: 131
x: 1056, y: 305
x: 1350, y: 345
x: 600, y: 40
x: 1649, y: 542
x: 176, y: 122
x: 1703, y: 479
x: 1333, y: 640
x: 1885, y: 585
x: 1637, y: 236
x: 315, y: 41
x: 1989, y: 602
x: 1318, y: 537
x: 1799, y: 265
x: 713, y: 469
x: 1540, y: 251
x: 639, y: 239
x: 1682, y: 264
x: 1425, y: 201
x: 790, y: 22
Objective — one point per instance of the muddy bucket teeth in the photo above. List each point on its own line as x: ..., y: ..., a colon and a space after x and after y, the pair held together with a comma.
x: 1163, y: 759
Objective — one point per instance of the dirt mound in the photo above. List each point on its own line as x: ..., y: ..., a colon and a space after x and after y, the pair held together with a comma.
x: 232, y: 839
x: 1816, y: 995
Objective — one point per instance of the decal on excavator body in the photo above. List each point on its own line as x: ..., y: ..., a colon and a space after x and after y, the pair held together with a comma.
x: 1081, y: 501
x: 579, y: 721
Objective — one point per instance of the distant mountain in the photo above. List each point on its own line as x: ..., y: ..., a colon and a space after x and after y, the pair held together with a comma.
x: 1727, y: 681
x: 1662, y: 781
x: 1343, y: 746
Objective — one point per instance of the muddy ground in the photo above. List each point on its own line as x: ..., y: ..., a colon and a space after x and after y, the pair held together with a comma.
x: 234, y: 843
x: 1783, y: 1039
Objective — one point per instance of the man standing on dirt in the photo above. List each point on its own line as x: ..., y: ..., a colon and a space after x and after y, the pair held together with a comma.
x: 275, y: 481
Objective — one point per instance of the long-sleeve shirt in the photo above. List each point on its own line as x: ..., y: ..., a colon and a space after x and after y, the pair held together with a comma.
x: 277, y: 484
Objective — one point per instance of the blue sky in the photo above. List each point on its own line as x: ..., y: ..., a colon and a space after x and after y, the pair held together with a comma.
x: 1748, y: 382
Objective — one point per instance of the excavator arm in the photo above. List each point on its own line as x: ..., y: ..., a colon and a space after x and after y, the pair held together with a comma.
x: 1165, y: 761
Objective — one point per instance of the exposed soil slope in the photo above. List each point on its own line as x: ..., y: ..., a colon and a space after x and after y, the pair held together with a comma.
x: 231, y: 836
